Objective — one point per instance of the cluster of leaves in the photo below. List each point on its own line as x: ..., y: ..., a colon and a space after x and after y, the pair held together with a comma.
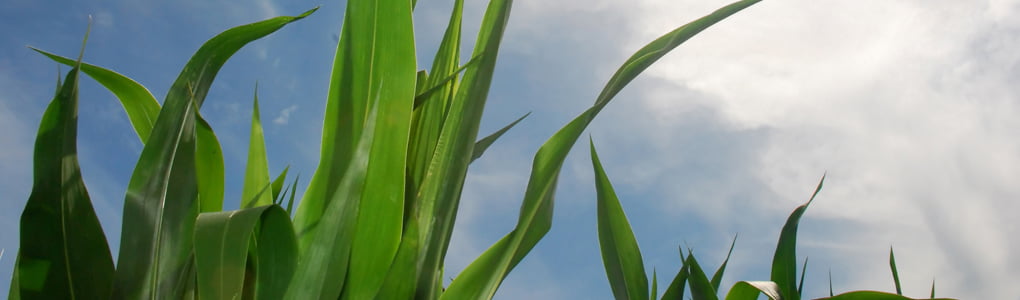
x: 376, y: 218
x: 627, y: 277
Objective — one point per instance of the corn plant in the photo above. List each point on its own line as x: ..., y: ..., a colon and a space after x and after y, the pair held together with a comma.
x: 376, y: 217
x: 628, y: 280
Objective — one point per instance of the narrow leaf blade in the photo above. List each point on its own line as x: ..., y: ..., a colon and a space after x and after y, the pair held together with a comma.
x: 620, y: 253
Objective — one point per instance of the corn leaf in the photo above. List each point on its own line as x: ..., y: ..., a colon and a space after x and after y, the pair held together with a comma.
x: 784, y: 263
x: 870, y: 295
x: 483, y: 276
x: 278, y: 185
x: 701, y: 287
x: 484, y: 143
x: 257, y: 187
x: 376, y: 47
x: 208, y: 167
x: 156, y: 239
x: 222, y: 247
x: 749, y: 290
x: 895, y: 273
x: 14, y: 293
x: 675, y: 291
x: 620, y: 253
x: 322, y: 268
x: 293, y: 189
x: 390, y: 78
x: 142, y: 109
x: 64, y: 253
x: 140, y: 106
x: 655, y: 285
x: 803, y: 273
x: 717, y: 277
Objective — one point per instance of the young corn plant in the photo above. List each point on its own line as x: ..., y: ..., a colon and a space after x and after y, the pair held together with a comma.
x: 376, y: 218
x: 628, y: 280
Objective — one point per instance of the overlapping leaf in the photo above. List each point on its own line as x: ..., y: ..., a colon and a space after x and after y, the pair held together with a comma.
x: 63, y: 252
x: 222, y: 247
x: 483, y: 276
x: 156, y: 240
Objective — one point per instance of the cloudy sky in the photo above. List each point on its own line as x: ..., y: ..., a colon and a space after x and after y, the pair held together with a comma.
x: 909, y: 106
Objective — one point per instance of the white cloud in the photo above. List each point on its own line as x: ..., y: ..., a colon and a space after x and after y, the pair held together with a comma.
x: 910, y: 106
x: 284, y: 116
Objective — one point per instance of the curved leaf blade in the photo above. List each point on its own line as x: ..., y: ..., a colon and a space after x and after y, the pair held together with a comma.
x: 749, y: 290
x: 222, y: 248
x: 484, y: 143
x: 717, y: 277
x: 161, y: 202
x: 139, y: 104
x: 143, y: 109
x: 784, y: 263
x: 483, y: 276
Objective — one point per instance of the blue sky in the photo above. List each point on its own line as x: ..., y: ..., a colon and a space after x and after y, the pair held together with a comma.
x: 908, y: 105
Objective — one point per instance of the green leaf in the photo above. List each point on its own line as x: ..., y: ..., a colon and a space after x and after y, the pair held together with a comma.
x: 375, y: 60
x: 481, y: 279
x: 675, y: 291
x: 933, y: 288
x: 222, y: 247
x: 208, y: 167
x: 143, y: 109
x: 620, y: 253
x: 140, y: 106
x: 784, y: 263
x: 701, y: 288
x: 414, y: 269
x: 322, y: 268
x: 750, y: 290
x: 895, y: 273
x: 487, y: 141
x: 257, y: 187
x: 803, y: 273
x: 161, y: 203
x: 278, y: 185
x: 293, y: 189
x: 655, y: 285
x: 830, y: 283
x: 870, y: 295
x: 63, y: 252
x: 717, y: 277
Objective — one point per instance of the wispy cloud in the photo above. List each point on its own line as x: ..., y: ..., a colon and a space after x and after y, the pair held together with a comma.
x: 284, y: 115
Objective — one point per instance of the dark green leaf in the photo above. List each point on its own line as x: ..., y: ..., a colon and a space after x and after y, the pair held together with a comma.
x: 895, y: 273
x: 63, y: 252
